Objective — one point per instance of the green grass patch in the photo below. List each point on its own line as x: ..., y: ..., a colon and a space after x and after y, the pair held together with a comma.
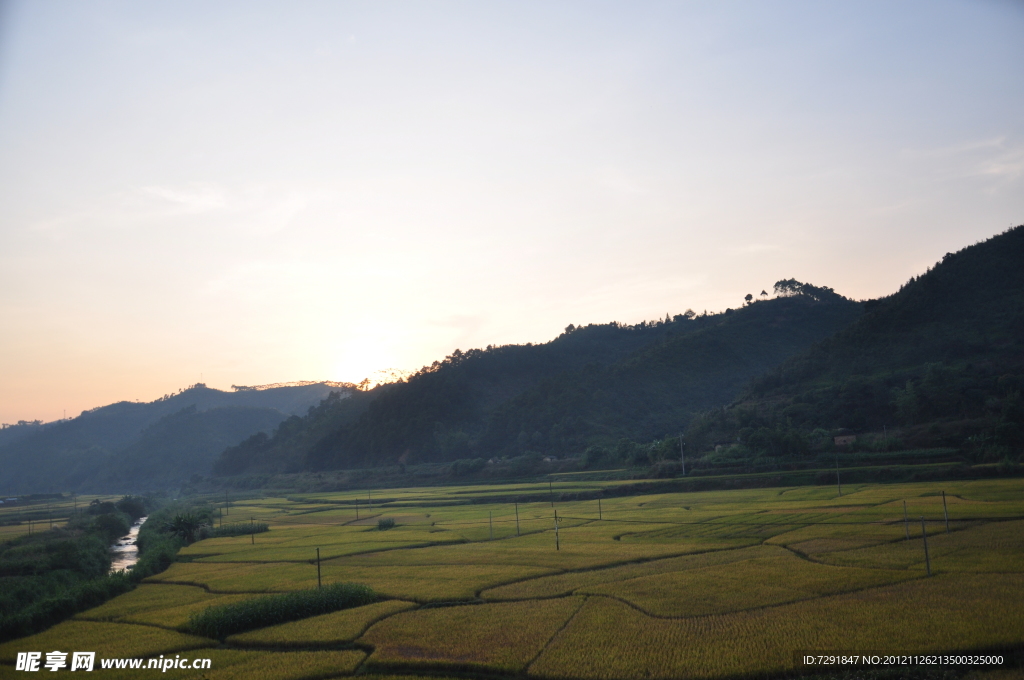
x: 238, y: 529
x: 221, y: 621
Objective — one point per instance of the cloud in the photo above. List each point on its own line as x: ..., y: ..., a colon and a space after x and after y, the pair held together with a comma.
x: 190, y: 199
x: 997, y: 159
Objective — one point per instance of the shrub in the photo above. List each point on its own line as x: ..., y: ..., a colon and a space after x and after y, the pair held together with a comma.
x: 133, y: 506
x: 111, y: 526
x: 238, y: 529
x: 385, y: 523
x: 62, y: 605
x: 224, y: 620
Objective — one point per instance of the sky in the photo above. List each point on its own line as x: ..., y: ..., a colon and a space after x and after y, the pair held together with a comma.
x: 255, y: 192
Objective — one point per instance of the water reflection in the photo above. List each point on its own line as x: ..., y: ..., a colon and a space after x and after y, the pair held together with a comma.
x: 124, y: 554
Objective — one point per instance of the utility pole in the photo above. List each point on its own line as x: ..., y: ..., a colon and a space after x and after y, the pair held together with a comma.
x: 517, y: 519
x: 556, y: 531
x: 839, y: 483
x: 906, y: 520
x: 945, y: 512
x: 682, y: 453
x: 551, y: 493
x: 227, y: 504
x: 927, y: 560
x: 599, y: 509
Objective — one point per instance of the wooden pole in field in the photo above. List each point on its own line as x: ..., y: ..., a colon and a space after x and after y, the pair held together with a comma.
x: 927, y: 560
x: 599, y: 509
x: 517, y: 519
x: 551, y: 493
x: 682, y: 453
x: 906, y: 521
x: 490, y: 523
x: 318, y: 567
x: 357, y: 509
x: 839, y: 483
x: 557, y: 547
x: 945, y: 512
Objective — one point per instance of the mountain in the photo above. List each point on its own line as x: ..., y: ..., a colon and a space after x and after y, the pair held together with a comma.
x: 656, y: 392
x: 591, y: 384
x: 940, y: 362
x: 131, y: 446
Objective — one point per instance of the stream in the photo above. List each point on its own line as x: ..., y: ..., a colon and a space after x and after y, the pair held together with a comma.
x: 124, y: 554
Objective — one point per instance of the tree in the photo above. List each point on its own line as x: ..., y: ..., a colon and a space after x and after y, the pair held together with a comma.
x: 187, y: 526
x: 749, y: 298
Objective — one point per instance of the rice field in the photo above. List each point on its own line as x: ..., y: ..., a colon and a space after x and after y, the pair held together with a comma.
x: 715, y: 584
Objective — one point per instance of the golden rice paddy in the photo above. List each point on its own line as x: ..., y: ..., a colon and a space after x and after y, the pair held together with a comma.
x: 710, y: 584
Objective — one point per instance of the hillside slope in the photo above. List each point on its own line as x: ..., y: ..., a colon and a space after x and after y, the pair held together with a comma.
x: 942, y: 360
x: 657, y: 391
x: 428, y: 414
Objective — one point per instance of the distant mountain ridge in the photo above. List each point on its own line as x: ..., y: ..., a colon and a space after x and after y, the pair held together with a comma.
x: 87, y: 452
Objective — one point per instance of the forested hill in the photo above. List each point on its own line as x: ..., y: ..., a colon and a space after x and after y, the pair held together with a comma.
x: 591, y: 384
x: 132, y: 446
x: 939, y: 362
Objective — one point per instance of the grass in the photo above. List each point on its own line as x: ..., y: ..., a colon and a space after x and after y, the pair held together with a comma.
x: 452, y: 582
x: 236, y: 664
x: 709, y: 584
x: 741, y: 585
x: 995, y: 547
x: 220, y: 621
x: 566, y: 584
x: 169, y: 606
x: 238, y: 529
x: 503, y: 636
x: 327, y: 629
x: 106, y: 639
x: 938, y: 614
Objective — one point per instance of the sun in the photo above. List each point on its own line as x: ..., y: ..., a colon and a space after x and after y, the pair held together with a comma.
x: 363, y: 357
